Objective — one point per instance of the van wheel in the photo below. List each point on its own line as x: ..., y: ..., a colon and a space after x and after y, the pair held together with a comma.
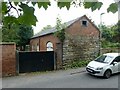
x: 107, y: 74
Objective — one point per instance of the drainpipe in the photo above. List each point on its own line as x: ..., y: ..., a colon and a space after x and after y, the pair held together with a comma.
x: 100, y: 51
x: 118, y: 2
x: 119, y: 23
x: 119, y: 10
x: 39, y: 44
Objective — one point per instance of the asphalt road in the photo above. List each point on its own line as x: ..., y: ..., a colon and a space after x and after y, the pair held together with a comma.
x: 75, y: 78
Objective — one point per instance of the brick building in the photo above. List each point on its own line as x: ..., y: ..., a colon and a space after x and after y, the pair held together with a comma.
x: 81, y: 41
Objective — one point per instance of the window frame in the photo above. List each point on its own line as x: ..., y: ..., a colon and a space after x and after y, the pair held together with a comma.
x: 52, y: 47
x: 84, y: 25
x: 38, y: 48
x: 117, y: 59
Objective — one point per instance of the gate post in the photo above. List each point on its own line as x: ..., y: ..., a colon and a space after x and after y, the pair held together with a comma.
x: 59, y: 54
x: 17, y: 61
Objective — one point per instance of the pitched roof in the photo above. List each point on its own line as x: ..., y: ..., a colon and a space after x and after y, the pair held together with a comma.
x: 52, y: 30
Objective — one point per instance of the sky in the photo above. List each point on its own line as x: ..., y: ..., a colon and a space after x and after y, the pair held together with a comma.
x: 48, y: 17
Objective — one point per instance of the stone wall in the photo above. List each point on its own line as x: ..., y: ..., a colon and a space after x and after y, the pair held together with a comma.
x: 80, y: 48
x: 8, y: 59
x: 110, y: 50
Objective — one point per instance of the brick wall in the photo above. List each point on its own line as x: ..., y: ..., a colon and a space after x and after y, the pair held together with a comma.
x: 42, y: 42
x: 33, y: 44
x: 77, y: 29
x: 45, y: 39
x: 8, y: 59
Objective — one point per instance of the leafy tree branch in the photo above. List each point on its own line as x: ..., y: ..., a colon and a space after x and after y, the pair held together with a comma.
x: 29, y: 10
x: 11, y: 6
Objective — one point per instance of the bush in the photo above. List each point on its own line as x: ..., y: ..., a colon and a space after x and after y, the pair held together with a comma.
x: 107, y: 44
x: 78, y: 63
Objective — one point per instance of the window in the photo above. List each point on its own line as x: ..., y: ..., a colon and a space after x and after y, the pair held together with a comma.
x: 37, y: 47
x: 49, y: 46
x: 84, y: 23
x: 117, y: 59
x: 104, y: 59
x: 32, y: 48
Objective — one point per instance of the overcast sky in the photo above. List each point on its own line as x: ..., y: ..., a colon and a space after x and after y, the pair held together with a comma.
x: 48, y: 17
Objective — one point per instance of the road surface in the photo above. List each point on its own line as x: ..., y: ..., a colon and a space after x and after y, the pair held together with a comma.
x: 73, y: 78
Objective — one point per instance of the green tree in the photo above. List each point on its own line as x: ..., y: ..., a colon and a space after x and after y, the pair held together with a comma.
x: 24, y: 33
x: 47, y: 27
x: 20, y: 34
x: 9, y: 33
x: 107, y: 33
x: 110, y: 35
x: 0, y: 34
x: 116, y: 34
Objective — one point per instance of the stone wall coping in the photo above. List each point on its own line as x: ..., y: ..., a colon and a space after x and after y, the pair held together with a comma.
x: 7, y: 43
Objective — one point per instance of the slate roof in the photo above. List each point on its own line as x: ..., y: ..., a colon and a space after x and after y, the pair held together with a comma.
x: 51, y: 31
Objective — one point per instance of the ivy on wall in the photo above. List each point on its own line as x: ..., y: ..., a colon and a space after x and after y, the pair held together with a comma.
x: 61, y: 35
x: 60, y: 30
